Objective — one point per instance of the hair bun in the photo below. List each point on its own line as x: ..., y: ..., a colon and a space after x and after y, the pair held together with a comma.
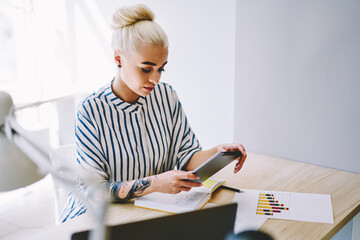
x: 126, y: 16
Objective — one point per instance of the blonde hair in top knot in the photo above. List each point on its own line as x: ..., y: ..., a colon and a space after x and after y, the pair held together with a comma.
x: 134, y: 27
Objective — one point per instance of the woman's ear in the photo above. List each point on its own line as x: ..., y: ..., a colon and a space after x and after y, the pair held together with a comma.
x: 117, y: 58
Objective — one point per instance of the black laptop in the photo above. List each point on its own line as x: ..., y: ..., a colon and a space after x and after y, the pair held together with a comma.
x: 210, y: 223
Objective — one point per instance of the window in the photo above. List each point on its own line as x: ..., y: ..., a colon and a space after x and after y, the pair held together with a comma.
x: 53, y: 48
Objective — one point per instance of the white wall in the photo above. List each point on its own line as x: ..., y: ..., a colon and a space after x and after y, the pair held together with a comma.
x: 71, y: 39
x: 298, y: 79
x: 201, y: 64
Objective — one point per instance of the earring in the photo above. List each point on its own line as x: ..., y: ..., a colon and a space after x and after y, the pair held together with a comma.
x: 119, y: 66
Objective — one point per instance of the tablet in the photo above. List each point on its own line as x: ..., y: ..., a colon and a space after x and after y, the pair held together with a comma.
x: 214, y: 164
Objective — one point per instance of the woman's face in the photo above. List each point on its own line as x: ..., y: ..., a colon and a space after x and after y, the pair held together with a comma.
x: 139, y: 72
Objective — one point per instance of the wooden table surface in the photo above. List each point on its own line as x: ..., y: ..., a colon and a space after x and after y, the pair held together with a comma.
x: 275, y: 174
x: 262, y: 173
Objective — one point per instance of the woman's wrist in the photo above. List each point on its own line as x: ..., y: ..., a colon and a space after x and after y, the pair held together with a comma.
x: 154, y: 184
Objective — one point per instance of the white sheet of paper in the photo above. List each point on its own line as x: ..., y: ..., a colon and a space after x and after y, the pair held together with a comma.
x: 246, y: 218
x: 307, y: 207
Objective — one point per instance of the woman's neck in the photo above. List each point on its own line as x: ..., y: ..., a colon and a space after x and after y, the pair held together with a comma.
x: 122, y: 91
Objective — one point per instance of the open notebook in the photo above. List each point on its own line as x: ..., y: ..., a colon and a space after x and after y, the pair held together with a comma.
x: 208, y: 223
x: 194, y: 199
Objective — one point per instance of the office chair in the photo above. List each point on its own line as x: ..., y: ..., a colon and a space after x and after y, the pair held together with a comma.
x: 63, y: 162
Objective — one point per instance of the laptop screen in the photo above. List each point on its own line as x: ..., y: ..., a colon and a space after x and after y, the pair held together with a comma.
x: 209, y: 223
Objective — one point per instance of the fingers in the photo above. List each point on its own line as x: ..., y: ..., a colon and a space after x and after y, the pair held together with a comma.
x: 243, y: 151
x: 189, y: 184
x: 235, y: 147
x: 175, y: 181
x: 238, y: 166
x: 241, y: 159
x: 232, y: 147
x: 221, y: 148
x: 240, y: 163
x: 191, y: 176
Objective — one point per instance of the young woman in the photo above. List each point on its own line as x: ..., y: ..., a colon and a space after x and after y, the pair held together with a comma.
x: 133, y: 132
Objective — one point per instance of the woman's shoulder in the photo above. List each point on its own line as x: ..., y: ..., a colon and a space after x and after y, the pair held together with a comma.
x: 165, y: 88
x: 165, y: 93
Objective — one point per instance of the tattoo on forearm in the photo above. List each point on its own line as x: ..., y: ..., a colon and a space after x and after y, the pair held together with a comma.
x: 137, y: 188
x: 123, y: 187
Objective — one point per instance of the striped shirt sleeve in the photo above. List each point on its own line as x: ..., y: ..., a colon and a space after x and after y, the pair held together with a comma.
x: 89, y: 150
x: 90, y: 158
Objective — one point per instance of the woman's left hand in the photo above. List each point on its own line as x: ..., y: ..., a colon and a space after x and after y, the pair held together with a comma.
x: 234, y: 147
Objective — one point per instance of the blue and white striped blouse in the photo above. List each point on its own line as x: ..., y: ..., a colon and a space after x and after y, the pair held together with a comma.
x: 121, y: 141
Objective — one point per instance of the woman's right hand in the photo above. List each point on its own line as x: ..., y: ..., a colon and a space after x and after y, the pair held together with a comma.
x: 173, y: 181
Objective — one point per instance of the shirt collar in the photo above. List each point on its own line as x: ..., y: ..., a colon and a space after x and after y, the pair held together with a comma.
x: 125, y: 106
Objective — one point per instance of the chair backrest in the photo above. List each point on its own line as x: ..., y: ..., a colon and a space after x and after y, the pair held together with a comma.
x: 63, y: 162
x: 63, y: 156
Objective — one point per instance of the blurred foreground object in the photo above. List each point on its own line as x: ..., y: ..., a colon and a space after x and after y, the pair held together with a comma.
x: 16, y: 169
x: 250, y: 235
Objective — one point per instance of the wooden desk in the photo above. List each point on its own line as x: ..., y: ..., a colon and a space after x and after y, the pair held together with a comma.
x: 269, y: 173
x: 259, y: 172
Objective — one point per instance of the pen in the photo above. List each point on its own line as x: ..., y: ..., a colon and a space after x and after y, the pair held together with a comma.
x: 230, y: 188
